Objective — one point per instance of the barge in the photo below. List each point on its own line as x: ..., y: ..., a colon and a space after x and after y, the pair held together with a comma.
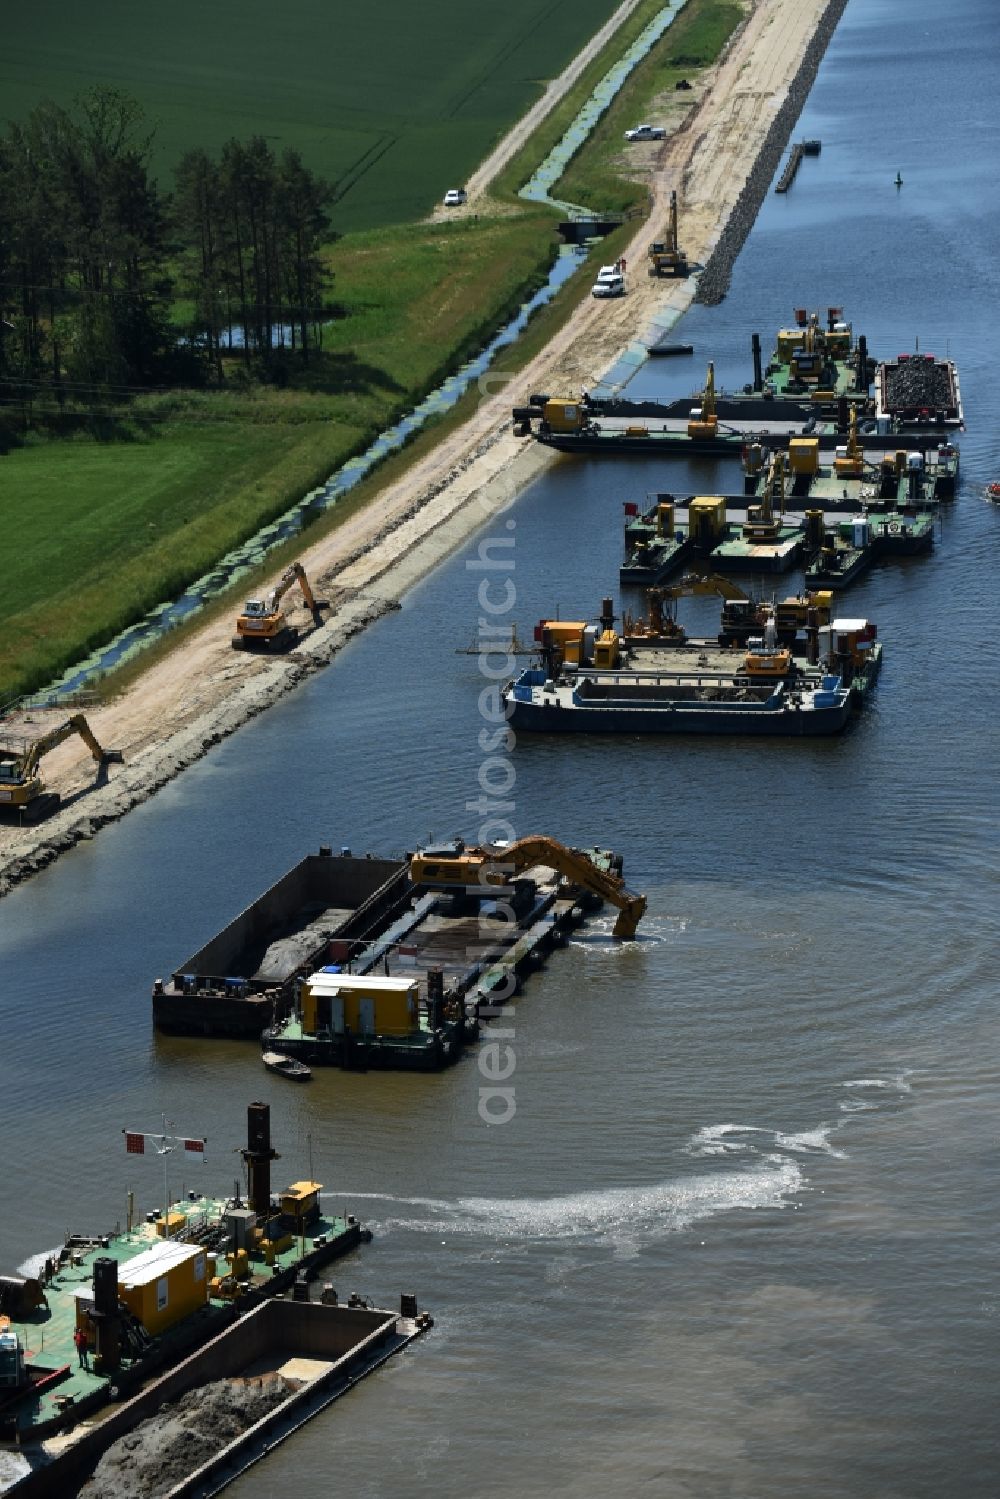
x: 906, y: 476
x: 618, y: 426
x: 842, y: 553
x: 482, y: 919
x: 697, y: 703
x: 666, y: 684
x: 366, y: 963
x: 919, y: 391
x: 192, y: 1301
x: 146, y: 1295
x: 656, y: 546
x: 324, y: 910
x: 817, y: 379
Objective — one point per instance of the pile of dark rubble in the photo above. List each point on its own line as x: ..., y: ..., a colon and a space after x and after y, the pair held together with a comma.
x: 713, y: 283
x: 918, y: 383
x: 158, y: 1454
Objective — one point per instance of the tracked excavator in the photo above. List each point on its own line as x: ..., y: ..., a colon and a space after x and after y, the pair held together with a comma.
x: 22, y: 789
x: 458, y: 867
x: 665, y: 256
x: 263, y: 626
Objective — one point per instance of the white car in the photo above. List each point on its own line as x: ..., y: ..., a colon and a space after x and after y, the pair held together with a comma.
x: 454, y: 197
x: 646, y: 133
x: 610, y: 282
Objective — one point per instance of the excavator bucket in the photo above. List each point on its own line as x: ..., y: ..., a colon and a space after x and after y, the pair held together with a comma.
x: 629, y: 918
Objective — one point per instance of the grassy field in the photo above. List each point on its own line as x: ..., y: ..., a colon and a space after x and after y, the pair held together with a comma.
x: 394, y: 102
x: 104, y: 530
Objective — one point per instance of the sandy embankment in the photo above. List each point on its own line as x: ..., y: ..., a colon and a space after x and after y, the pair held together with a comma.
x: 203, y: 691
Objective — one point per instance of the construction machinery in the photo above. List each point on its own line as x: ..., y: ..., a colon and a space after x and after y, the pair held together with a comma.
x: 457, y: 867
x: 263, y: 626
x: 765, y: 657
x: 704, y: 422
x: 21, y: 787
x: 661, y: 627
x: 665, y: 256
x: 764, y: 520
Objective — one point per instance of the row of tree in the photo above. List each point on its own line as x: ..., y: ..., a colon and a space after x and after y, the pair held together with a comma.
x: 93, y: 255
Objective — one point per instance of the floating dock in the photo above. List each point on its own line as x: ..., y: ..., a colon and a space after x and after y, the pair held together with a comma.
x: 800, y: 149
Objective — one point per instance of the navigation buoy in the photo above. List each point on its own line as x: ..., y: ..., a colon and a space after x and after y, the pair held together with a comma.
x: 899, y: 180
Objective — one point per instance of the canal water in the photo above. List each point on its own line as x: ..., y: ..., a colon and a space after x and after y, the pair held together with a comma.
x: 739, y: 1236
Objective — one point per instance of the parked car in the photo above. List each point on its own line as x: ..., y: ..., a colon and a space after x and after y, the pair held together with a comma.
x: 454, y: 197
x: 610, y: 282
x: 646, y: 133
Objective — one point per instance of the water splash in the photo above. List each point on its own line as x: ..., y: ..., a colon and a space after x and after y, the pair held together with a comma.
x: 610, y: 1216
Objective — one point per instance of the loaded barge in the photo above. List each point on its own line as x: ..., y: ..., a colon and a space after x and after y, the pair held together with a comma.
x: 143, y: 1298
x: 324, y: 910
x: 375, y: 963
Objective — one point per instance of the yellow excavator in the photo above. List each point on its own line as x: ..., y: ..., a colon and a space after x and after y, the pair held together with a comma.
x: 457, y: 867
x: 704, y: 422
x: 665, y: 256
x: 21, y: 787
x: 661, y: 627
x: 262, y: 625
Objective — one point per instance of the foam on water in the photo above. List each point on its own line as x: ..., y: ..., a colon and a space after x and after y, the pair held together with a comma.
x: 612, y: 1215
x: 896, y: 1084
x: 33, y: 1266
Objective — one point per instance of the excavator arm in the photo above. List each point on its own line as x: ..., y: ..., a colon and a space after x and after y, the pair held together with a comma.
x: 292, y: 575
x: 75, y: 725
x: 698, y: 583
x: 262, y: 622
x: 483, y: 866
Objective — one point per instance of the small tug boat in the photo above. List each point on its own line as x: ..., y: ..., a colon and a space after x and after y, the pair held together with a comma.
x: 276, y: 1061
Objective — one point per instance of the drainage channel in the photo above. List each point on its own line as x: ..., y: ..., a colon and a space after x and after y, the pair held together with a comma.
x: 241, y: 560
x: 538, y: 188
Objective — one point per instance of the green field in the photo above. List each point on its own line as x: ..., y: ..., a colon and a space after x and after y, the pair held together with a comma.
x: 393, y: 102
x: 105, y: 529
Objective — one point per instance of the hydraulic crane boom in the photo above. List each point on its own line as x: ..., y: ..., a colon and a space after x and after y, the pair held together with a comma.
x: 468, y: 867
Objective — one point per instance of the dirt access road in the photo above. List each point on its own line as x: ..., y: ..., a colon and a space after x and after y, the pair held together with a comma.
x: 204, y: 690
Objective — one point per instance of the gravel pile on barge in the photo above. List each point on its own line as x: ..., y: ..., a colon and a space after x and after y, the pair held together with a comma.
x: 159, y: 1454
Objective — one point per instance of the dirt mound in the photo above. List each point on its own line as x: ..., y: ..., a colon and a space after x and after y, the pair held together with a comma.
x: 183, y: 1435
